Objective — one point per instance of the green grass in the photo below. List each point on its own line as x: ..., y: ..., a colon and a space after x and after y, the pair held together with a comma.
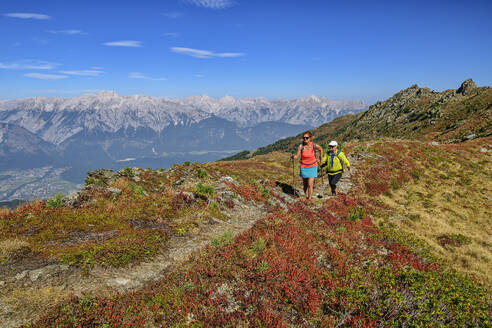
x: 56, y: 201
x: 205, y: 190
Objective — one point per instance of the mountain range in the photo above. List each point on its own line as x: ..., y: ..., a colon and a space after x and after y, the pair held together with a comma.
x: 108, y: 130
x: 57, y: 119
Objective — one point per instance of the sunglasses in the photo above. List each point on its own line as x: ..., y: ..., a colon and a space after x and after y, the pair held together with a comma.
x: 332, y: 146
x: 305, y: 138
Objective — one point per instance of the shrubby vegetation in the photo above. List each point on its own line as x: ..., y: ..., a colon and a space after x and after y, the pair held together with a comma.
x: 405, y: 247
x: 294, y: 268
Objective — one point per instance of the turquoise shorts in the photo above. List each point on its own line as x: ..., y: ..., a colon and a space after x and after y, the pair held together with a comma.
x: 309, y: 172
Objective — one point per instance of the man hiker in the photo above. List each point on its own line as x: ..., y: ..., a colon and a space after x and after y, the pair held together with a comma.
x: 333, y: 161
x: 309, y: 162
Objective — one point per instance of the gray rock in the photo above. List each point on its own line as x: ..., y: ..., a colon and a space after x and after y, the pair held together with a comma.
x: 483, y: 150
x: 228, y: 179
x: 71, y: 198
x: 47, y: 271
x: 103, y: 175
x: 21, y: 275
x: 179, y: 182
x: 471, y: 136
x: 123, y: 283
x: 228, y: 292
x: 434, y: 143
x: 115, y: 191
x: 467, y: 87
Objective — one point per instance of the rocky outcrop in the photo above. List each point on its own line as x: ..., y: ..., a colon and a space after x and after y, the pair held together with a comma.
x: 421, y: 113
x: 467, y: 87
x: 99, y: 181
x: 103, y: 176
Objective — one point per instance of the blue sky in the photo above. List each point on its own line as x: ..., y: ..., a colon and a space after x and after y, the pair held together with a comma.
x: 244, y: 48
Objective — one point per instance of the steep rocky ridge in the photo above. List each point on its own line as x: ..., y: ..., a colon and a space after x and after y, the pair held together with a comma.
x: 420, y: 113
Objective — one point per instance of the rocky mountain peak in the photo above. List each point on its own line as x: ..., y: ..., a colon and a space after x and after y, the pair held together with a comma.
x: 424, y: 113
x: 409, y: 92
x: 466, y: 87
x: 107, y: 94
x: 313, y: 98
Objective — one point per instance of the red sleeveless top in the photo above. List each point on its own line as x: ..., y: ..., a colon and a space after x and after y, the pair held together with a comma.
x: 308, y: 156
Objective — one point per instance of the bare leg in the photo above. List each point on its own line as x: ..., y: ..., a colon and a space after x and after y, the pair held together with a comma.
x: 306, y: 186
x: 310, y: 189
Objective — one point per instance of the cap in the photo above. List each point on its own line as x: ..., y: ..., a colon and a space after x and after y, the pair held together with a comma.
x: 333, y: 143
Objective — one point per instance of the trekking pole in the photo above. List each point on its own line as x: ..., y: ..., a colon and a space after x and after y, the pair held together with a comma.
x: 320, y: 195
x: 293, y: 176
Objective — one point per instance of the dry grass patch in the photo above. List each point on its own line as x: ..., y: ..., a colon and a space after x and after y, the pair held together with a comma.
x: 11, y: 247
x: 4, y: 212
x: 446, y: 202
x: 31, y: 302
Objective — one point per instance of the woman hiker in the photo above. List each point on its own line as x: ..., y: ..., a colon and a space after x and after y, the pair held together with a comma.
x: 309, y: 162
x: 333, y: 161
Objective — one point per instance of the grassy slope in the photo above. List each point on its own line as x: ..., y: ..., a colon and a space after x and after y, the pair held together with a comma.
x: 302, y: 266
x: 440, y: 194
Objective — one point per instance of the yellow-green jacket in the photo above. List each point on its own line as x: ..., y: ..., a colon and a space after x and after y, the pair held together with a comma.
x: 334, y: 162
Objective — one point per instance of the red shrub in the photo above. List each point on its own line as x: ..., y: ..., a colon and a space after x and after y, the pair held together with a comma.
x: 248, y: 192
x: 402, y: 256
x: 377, y: 188
x: 341, y: 205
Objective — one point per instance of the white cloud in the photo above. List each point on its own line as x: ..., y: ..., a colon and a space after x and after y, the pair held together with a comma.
x: 137, y: 75
x: 214, y: 4
x: 27, y: 16
x: 29, y: 64
x: 124, y: 43
x: 197, y: 53
x: 173, y: 15
x: 67, y: 32
x: 83, y: 72
x: 45, y: 76
x: 171, y: 34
